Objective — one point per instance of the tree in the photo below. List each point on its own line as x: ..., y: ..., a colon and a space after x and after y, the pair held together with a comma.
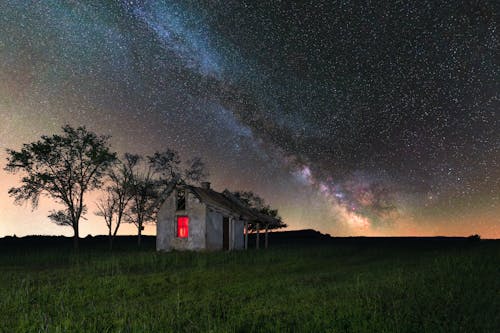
x: 154, y: 179
x: 145, y: 193
x: 61, y: 167
x: 255, y: 202
x: 63, y: 217
x: 118, y: 194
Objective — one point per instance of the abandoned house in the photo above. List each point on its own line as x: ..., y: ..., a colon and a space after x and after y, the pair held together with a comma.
x: 199, y: 218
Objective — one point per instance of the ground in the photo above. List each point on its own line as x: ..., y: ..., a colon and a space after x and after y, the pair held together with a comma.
x: 303, y: 283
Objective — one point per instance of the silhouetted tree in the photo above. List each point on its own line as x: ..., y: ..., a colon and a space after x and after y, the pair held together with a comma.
x: 63, y: 217
x: 258, y: 204
x: 62, y: 167
x: 118, y: 194
x: 145, y: 192
x: 154, y: 179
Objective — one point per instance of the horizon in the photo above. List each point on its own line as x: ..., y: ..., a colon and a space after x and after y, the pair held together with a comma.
x: 285, y: 230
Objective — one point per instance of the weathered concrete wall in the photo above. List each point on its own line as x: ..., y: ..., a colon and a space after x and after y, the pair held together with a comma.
x: 215, y: 233
x: 239, y: 237
x: 166, y: 233
x: 205, y: 227
x: 214, y: 230
x: 165, y: 221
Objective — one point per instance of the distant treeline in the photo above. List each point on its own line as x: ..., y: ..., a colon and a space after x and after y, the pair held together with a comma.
x: 276, y: 239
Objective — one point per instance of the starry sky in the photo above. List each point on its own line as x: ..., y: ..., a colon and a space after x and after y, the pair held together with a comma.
x: 353, y: 118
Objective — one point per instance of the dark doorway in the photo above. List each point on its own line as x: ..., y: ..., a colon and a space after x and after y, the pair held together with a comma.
x: 225, y: 233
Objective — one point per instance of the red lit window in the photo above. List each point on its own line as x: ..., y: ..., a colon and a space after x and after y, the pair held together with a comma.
x: 182, y: 226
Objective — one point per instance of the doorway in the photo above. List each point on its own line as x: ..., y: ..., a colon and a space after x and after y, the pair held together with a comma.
x: 225, y: 233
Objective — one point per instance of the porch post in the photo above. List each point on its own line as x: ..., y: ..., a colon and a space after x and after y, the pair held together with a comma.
x: 266, y: 237
x: 231, y: 236
x: 257, y: 239
x: 246, y: 234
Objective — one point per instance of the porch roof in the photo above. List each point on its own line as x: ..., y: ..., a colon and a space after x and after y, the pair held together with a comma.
x: 229, y: 202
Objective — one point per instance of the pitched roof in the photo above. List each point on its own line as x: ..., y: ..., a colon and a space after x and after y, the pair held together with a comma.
x: 229, y: 202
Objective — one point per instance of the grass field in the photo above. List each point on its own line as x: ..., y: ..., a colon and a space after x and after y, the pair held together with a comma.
x: 340, y: 285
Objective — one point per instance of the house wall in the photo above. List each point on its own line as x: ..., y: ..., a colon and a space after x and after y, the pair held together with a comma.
x: 205, y: 227
x: 166, y: 233
x: 214, y: 230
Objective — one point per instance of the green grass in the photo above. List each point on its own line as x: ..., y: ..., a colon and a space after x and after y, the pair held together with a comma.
x: 322, y: 288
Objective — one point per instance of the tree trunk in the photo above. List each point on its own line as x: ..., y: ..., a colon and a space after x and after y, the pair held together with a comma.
x: 139, y: 229
x: 76, y: 236
x: 110, y: 237
x: 113, y: 235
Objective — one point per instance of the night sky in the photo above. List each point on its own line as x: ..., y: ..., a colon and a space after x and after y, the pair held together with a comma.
x: 368, y: 118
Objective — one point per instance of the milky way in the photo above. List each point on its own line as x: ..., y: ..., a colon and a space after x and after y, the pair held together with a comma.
x: 372, y: 119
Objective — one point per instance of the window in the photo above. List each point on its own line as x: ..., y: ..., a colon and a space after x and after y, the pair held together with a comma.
x: 181, y: 199
x: 182, y: 226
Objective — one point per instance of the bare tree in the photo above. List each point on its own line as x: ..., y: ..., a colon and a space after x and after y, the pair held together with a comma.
x: 106, y: 208
x: 118, y: 194
x: 62, y: 167
x: 145, y: 193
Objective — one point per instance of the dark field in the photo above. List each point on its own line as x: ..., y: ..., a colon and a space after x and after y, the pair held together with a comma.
x: 304, y: 282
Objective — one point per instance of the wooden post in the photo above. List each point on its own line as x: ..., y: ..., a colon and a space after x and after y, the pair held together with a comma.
x: 230, y: 245
x: 246, y: 235
x: 257, y: 239
x: 233, y: 226
x: 266, y: 237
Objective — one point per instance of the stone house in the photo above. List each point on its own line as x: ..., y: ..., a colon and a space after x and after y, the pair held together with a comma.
x: 199, y: 218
